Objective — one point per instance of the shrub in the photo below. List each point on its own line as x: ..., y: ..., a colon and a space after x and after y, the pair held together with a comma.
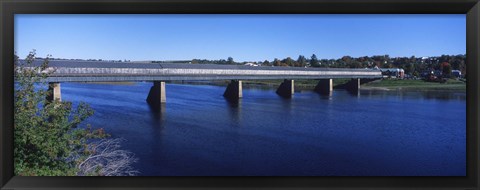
x: 48, y: 139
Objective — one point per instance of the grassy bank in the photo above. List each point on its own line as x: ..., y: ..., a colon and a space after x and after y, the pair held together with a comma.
x: 385, y: 84
x: 393, y: 84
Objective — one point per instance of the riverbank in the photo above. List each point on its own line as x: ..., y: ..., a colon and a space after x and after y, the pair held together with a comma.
x: 395, y: 84
x: 384, y: 84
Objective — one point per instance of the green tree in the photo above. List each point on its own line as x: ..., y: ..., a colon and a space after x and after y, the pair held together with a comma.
x: 289, y: 62
x: 302, y: 61
x: 277, y: 62
x: 230, y: 60
x: 49, y: 139
x: 265, y: 63
x: 314, y: 61
x: 446, y: 69
x: 409, y: 68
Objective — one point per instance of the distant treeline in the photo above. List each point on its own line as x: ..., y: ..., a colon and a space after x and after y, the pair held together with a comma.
x: 412, y: 65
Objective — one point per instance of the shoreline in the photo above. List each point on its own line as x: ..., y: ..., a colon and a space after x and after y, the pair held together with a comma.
x: 416, y: 85
x: 303, y: 85
x: 415, y: 88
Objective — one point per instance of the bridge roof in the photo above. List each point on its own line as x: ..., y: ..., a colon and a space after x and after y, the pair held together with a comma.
x: 143, y: 65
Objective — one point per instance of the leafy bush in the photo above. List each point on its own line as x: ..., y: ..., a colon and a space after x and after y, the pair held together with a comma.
x: 48, y: 139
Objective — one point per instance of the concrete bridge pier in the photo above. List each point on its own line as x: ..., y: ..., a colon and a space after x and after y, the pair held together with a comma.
x: 156, y: 96
x: 353, y: 86
x: 54, y: 92
x: 324, y: 87
x: 234, y: 90
x: 286, y: 89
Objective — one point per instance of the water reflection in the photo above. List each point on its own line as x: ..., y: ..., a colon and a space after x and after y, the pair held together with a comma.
x: 158, y: 111
x: 355, y: 93
x: 235, y: 109
x: 325, y: 93
x: 444, y: 95
x: 326, y: 96
x: 234, y: 102
x: 288, y: 106
x: 424, y: 95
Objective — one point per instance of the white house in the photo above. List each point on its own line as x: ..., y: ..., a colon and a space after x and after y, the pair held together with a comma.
x: 251, y: 64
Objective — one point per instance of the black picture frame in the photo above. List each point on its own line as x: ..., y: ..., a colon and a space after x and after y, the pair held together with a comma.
x: 8, y: 8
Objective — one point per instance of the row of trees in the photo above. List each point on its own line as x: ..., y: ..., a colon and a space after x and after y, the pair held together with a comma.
x: 301, y: 61
x: 409, y: 64
x: 412, y: 65
x: 229, y: 61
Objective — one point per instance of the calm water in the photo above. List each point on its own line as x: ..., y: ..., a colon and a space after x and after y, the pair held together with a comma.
x: 198, y: 132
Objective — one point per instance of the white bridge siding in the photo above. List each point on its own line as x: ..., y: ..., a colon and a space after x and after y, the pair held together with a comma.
x: 84, y: 71
x: 92, y: 71
x: 140, y: 74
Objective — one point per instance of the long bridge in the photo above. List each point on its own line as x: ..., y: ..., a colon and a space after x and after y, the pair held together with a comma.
x: 158, y: 73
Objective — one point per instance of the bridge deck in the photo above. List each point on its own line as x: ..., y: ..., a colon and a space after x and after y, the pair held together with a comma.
x: 91, y: 71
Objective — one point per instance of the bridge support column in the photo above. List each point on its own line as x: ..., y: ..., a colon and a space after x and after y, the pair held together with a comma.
x: 286, y: 89
x: 157, y: 96
x: 54, y: 92
x: 353, y: 85
x: 324, y: 87
x: 234, y: 90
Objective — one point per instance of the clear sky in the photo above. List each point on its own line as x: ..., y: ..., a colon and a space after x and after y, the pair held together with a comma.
x: 243, y: 37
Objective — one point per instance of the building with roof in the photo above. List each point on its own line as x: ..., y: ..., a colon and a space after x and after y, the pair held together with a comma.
x: 392, y: 72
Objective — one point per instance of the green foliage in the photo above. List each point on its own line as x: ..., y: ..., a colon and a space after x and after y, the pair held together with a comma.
x: 446, y: 69
x: 230, y: 60
x: 277, y: 62
x: 302, y: 61
x: 314, y: 61
x: 412, y: 65
x: 266, y: 63
x: 289, y: 61
x: 47, y: 138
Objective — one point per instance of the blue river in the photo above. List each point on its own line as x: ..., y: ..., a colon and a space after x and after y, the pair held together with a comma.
x: 200, y: 133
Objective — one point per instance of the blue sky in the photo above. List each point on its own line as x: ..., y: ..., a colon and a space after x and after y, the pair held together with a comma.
x: 243, y: 37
